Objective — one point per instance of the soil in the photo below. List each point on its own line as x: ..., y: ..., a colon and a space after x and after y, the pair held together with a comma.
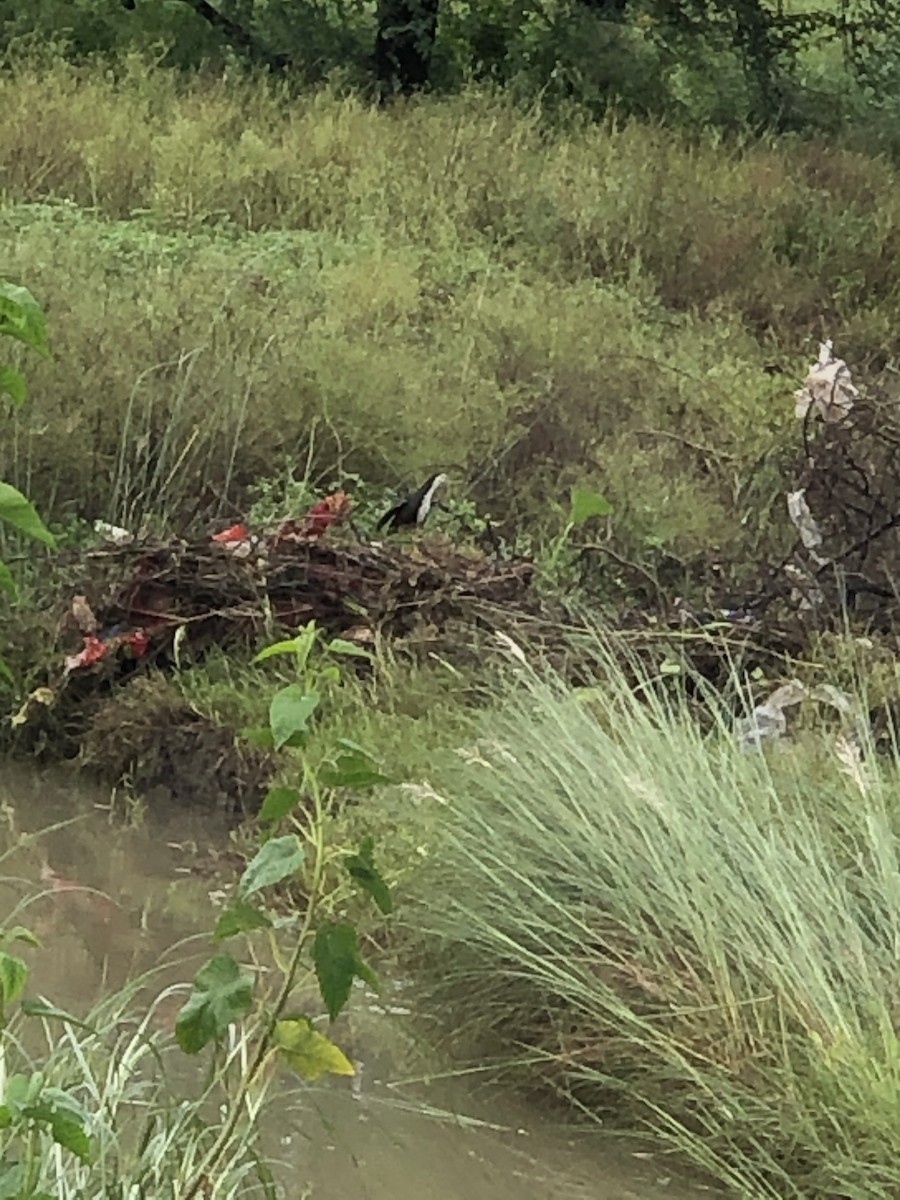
x: 169, y: 753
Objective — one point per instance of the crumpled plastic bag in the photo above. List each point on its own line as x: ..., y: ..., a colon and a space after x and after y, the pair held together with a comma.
x: 828, y: 388
x: 767, y: 722
x: 806, y: 524
x: 114, y: 534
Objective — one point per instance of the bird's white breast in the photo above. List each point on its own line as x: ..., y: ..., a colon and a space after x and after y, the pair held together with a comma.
x: 428, y: 499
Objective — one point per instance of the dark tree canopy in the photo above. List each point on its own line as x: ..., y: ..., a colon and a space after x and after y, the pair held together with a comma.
x: 404, y: 44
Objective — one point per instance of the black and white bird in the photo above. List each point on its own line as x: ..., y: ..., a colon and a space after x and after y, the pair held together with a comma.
x: 414, y: 509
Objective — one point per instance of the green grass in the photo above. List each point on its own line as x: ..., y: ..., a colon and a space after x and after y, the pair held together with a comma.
x: 678, y: 937
x: 402, y: 713
x: 242, y: 286
x: 251, y: 296
x: 149, y: 1127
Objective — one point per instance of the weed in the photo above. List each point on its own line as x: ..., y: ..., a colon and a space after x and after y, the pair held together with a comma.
x: 87, y: 1130
x: 676, y: 935
x: 21, y: 320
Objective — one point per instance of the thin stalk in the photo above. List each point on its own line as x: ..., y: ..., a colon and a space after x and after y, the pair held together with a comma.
x: 32, y: 1161
x: 226, y: 1133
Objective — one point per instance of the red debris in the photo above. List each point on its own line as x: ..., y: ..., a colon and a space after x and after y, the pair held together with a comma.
x: 138, y: 640
x: 96, y: 647
x: 234, y: 533
x: 94, y: 650
x: 331, y: 510
x: 237, y: 540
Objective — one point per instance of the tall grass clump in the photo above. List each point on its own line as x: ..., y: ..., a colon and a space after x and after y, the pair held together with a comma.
x: 150, y: 1120
x: 680, y: 937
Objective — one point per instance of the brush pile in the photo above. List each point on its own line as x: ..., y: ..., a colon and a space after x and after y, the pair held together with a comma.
x: 846, y: 508
x: 170, y: 603
x: 132, y: 603
x: 132, y: 606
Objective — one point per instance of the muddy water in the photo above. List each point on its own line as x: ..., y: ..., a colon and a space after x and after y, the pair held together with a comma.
x: 115, y: 897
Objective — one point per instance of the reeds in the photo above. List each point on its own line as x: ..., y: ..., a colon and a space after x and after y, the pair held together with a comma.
x: 679, y: 936
x: 150, y: 1122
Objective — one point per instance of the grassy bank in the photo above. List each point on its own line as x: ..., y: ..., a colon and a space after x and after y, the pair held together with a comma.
x: 677, y: 936
x: 239, y: 287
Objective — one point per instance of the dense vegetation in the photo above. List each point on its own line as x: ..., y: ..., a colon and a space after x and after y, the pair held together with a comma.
x: 729, y: 63
x: 99, y: 1108
x: 597, y: 251
x: 244, y: 288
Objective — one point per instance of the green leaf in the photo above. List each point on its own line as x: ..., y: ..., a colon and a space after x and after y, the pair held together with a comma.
x: 19, y: 512
x: 12, y: 382
x: 221, y: 995
x: 14, y: 1183
x: 291, y: 646
x: 300, y: 646
x: 22, y: 1090
x: 335, y: 951
x: 22, y: 318
x: 276, y: 860
x: 63, y: 1101
x: 19, y: 933
x: 278, y: 803
x: 7, y: 583
x: 338, y: 961
x: 240, y: 917
x: 13, y: 977
x: 66, y: 1118
x: 585, y: 504
x: 362, y: 870
x: 309, y: 1052
x: 289, y: 713
x: 342, y: 646
x: 71, y: 1134
x: 352, y: 769
x: 49, y: 1012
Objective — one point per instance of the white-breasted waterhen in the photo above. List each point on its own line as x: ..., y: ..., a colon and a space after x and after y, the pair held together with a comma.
x: 414, y: 509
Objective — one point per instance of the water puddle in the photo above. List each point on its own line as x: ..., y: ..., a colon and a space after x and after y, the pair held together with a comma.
x: 119, y: 898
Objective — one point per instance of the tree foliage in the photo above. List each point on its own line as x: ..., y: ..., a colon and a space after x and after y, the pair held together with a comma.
x: 739, y: 62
